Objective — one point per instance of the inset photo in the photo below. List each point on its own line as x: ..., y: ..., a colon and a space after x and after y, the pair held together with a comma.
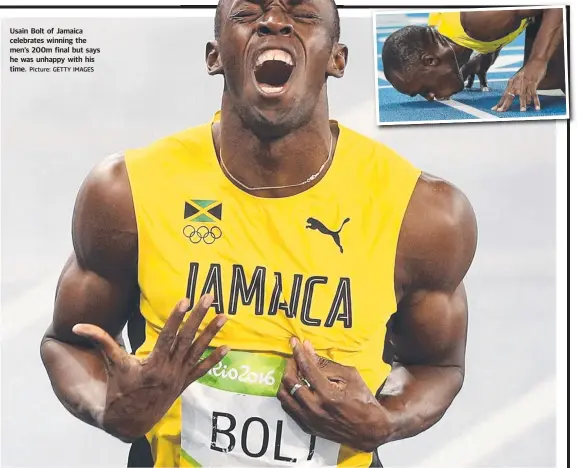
x: 472, y: 65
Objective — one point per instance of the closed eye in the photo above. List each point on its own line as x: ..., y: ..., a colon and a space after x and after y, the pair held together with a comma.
x: 245, y: 14
x: 306, y: 15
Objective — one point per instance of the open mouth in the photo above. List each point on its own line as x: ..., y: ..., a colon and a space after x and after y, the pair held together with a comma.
x: 273, y: 70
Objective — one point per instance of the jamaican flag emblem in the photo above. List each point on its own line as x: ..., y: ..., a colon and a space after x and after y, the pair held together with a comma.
x: 203, y: 211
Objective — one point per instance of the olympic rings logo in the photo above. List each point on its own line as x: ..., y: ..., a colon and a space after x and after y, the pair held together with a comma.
x: 202, y: 234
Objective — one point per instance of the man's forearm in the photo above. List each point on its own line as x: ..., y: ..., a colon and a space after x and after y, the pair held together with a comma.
x: 416, y: 397
x: 78, y: 377
x: 549, y: 35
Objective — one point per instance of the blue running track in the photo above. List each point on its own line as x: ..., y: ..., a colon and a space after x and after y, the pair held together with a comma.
x: 396, y: 108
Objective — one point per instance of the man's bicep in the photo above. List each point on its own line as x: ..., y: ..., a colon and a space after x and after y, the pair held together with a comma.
x: 99, y: 283
x: 436, y: 248
x: 83, y: 296
x: 431, y: 328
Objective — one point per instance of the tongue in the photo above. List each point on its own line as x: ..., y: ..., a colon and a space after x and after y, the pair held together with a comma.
x: 273, y: 73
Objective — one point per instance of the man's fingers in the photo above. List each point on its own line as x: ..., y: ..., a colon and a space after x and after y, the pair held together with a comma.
x: 508, y: 96
x: 507, y: 103
x: 523, y: 97
x: 168, y: 333
x: 523, y: 102
x: 291, y: 375
x: 108, y: 346
x: 298, y: 389
x: 337, y: 374
x: 293, y: 382
x: 308, y: 367
x: 529, y: 98
x: 293, y: 409
x: 536, y: 99
x: 328, y: 368
x: 309, y: 348
x: 201, y: 368
x: 499, y: 104
x: 508, y: 99
x: 204, y: 339
x: 186, y: 335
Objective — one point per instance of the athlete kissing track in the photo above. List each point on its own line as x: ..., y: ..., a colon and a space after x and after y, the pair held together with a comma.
x: 474, y: 105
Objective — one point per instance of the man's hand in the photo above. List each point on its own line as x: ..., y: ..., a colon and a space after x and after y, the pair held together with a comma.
x: 525, y: 85
x: 332, y: 400
x: 140, y: 392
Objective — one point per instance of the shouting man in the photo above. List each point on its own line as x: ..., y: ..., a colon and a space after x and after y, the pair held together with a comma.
x: 296, y: 239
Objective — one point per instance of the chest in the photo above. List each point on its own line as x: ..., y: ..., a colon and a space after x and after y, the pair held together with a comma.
x: 317, y: 268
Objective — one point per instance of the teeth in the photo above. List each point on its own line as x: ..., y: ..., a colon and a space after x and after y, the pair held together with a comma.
x: 274, y: 54
x: 268, y: 89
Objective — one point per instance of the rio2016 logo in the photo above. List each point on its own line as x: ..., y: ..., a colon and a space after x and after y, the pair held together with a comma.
x: 243, y: 374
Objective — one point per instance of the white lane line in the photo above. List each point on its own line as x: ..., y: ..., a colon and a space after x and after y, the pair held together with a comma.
x: 469, y: 109
x: 492, y: 70
x: 414, y: 20
x: 33, y: 305
x: 507, y: 59
x: 503, y: 70
x: 554, y: 92
x: 500, y: 428
x: 551, y: 92
x: 541, y: 92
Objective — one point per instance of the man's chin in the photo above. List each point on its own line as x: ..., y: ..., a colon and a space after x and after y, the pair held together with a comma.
x: 269, y: 123
x: 272, y: 118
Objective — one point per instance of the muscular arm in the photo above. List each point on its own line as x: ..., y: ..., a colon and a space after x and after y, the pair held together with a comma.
x: 98, y: 285
x: 549, y: 36
x: 489, y: 26
x: 436, y: 247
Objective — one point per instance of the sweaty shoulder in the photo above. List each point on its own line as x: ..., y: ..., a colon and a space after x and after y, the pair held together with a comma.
x: 103, y: 226
x: 489, y: 26
x: 438, y: 237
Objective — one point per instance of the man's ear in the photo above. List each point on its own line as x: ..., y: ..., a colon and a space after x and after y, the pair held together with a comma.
x: 338, y: 61
x: 213, y: 58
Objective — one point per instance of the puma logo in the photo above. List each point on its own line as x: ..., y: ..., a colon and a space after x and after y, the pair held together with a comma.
x: 317, y: 225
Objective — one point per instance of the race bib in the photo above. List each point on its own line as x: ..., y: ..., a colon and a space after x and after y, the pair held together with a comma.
x: 231, y: 417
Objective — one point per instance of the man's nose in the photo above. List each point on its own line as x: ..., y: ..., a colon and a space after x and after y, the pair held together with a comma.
x: 275, y: 23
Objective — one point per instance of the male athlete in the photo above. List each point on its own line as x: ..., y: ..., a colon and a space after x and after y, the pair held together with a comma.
x: 284, y: 357
x: 433, y: 61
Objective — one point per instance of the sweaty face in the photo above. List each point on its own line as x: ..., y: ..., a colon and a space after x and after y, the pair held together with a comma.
x: 275, y: 56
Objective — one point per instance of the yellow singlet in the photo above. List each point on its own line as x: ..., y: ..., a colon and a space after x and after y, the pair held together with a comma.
x: 449, y: 25
x: 318, y: 265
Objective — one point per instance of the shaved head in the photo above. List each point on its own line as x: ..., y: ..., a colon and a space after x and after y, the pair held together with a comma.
x: 402, y: 51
